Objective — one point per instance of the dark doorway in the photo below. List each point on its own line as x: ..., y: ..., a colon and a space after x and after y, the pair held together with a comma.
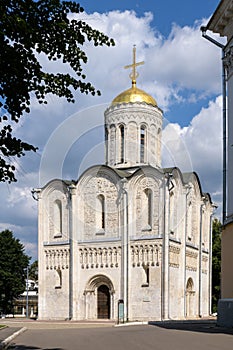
x: 103, y: 302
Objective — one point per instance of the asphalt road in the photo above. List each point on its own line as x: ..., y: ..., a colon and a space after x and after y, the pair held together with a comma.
x: 145, y: 337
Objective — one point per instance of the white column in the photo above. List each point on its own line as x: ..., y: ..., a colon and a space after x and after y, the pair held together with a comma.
x: 73, y: 253
x: 165, y: 259
x: 124, y: 247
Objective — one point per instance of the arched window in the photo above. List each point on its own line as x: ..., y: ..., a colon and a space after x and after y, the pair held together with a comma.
x: 172, y: 212
x: 57, y: 217
x: 142, y: 143
x: 149, y: 206
x: 100, y: 212
x: 106, y: 144
x: 190, y: 293
x: 159, y: 143
x: 122, y: 144
x: 147, y: 217
x: 189, y: 219
x: 59, y: 278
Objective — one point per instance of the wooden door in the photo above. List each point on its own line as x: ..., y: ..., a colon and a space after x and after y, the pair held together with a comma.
x: 103, y: 302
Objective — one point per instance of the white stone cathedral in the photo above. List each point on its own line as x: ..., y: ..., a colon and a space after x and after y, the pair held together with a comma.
x: 128, y: 239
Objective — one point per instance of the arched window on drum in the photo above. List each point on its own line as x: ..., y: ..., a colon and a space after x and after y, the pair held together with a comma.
x: 143, y: 144
x: 122, y: 144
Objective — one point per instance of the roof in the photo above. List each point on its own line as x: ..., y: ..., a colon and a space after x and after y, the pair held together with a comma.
x: 134, y: 95
x: 221, y: 18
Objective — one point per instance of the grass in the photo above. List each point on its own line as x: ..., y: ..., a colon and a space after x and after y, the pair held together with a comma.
x: 2, y: 326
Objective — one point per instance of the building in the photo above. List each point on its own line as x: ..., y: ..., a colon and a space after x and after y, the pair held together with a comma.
x: 27, y: 303
x: 222, y: 22
x: 128, y: 239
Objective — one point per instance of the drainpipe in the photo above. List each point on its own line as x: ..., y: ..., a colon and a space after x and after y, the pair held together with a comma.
x: 210, y: 264
x: 214, y: 206
x: 224, y: 117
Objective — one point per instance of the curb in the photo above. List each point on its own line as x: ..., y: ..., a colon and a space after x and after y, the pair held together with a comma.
x: 4, y: 344
x: 136, y: 323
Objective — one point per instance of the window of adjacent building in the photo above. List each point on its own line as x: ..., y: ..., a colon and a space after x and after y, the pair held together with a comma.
x: 142, y: 143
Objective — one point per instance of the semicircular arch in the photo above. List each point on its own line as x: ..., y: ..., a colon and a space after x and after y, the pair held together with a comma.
x: 98, y: 280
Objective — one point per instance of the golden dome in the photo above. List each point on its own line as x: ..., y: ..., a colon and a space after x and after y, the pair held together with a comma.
x: 133, y: 95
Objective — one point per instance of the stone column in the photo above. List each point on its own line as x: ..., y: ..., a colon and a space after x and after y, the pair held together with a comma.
x: 165, y: 254
x: 73, y: 253
x: 124, y: 247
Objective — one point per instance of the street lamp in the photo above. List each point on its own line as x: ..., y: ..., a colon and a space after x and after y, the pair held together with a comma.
x: 27, y: 294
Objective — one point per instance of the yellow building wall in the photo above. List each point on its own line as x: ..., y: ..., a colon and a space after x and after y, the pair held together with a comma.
x: 227, y: 262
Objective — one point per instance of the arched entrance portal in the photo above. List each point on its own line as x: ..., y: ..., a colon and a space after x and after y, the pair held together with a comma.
x: 103, y: 302
x: 99, y: 298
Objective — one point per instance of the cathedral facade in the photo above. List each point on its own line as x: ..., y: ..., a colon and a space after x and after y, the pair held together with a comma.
x: 128, y: 240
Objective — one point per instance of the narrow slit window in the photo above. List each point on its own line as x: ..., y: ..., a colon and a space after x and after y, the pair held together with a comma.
x: 149, y: 206
x: 59, y: 279
x: 57, y: 217
x: 147, y: 275
x: 101, y: 212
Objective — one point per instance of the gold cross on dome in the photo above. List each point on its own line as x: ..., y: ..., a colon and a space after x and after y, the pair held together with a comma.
x: 134, y: 74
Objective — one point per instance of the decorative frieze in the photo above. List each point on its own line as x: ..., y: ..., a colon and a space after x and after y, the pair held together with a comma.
x: 205, y: 263
x: 228, y: 61
x: 57, y: 259
x: 174, y: 256
x: 145, y: 255
x: 104, y: 257
x: 191, y: 260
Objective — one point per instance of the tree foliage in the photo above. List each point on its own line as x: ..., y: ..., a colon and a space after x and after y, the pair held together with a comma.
x: 13, y: 264
x: 29, y: 28
x: 33, y: 271
x: 216, y: 263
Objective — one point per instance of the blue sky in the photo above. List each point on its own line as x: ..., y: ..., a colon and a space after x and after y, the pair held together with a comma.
x: 166, y: 12
x: 182, y: 71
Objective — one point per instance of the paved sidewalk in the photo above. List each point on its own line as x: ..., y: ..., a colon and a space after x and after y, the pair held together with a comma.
x: 7, y: 334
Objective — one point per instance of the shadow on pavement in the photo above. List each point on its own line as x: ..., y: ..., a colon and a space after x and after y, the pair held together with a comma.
x: 194, y: 326
x: 24, y: 347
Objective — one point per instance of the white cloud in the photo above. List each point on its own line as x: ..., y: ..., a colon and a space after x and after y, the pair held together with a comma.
x: 182, y: 61
x: 198, y: 147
